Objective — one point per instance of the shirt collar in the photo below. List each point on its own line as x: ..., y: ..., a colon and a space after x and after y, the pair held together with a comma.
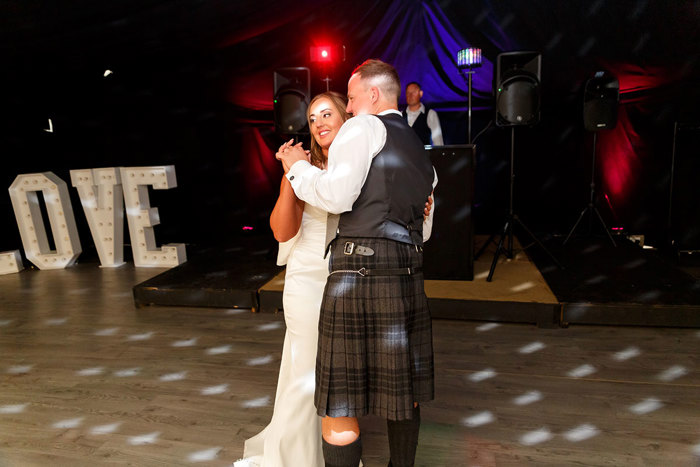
x: 390, y: 111
x: 421, y: 109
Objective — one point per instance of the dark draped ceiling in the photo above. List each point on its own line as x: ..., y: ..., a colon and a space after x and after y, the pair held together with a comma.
x: 192, y: 85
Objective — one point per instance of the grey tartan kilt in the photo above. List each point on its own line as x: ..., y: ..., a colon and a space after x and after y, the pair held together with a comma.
x: 375, y: 349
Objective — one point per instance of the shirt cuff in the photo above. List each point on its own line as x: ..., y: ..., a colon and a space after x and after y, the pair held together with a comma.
x: 296, y: 170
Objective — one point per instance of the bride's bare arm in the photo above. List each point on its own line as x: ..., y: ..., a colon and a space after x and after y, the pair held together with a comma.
x: 285, y: 219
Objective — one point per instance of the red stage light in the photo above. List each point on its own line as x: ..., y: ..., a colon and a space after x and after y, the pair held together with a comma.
x: 322, y: 54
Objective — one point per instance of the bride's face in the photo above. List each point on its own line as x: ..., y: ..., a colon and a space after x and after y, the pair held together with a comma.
x: 324, y: 122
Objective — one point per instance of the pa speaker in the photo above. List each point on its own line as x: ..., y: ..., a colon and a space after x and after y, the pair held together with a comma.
x: 601, y: 97
x: 517, y: 86
x: 292, y: 89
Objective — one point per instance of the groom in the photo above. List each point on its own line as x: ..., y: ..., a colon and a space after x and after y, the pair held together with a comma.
x: 375, y: 351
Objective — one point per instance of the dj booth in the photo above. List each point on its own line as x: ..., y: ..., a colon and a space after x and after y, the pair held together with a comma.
x: 449, y: 254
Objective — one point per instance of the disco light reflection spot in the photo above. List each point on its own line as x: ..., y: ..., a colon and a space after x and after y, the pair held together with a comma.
x: 581, y: 433
x: 536, y: 437
x: 479, y: 419
x: 482, y: 375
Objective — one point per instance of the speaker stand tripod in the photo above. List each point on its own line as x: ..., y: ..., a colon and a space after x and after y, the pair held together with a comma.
x: 591, y: 204
x: 511, y: 220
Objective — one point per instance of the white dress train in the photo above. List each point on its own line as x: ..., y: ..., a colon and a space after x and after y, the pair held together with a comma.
x: 293, y: 437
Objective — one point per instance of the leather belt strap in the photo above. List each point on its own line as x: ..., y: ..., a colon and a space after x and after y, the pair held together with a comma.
x: 352, y: 247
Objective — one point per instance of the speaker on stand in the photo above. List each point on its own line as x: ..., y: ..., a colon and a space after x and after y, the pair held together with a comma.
x: 601, y: 98
x: 517, y: 86
x: 292, y: 93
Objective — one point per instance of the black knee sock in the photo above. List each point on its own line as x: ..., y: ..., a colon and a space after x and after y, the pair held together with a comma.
x: 342, y: 456
x: 403, y: 440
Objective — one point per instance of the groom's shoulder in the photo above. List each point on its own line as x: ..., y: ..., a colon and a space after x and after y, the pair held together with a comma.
x: 364, y: 121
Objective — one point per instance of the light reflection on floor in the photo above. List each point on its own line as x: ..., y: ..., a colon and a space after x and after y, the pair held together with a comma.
x: 532, y: 347
x: 581, y: 433
x: 127, y: 372
x: 582, y: 371
x: 629, y: 352
x: 105, y: 429
x: 487, y: 327
x: 98, y: 370
x: 482, y: 375
x: 536, y: 437
x: 173, y: 376
x: 68, y: 423
x: 204, y: 456
x: 141, y: 337
x: 259, y: 402
x: 213, y: 390
x: 219, y: 350
x: 528, y: 398
x: 646, y: 406
x: 482, y: 418
x: 672, y: 373
x: 13, y: 408
x: 140, y: 440
x: 19, y: 369
x: 107, y: 332
x: 185, y: 342
x: 259, y: 360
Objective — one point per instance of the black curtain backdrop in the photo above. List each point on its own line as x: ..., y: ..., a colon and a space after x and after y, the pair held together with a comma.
x: 192, y: 86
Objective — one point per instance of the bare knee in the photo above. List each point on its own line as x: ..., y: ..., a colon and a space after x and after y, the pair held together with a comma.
x: 340, y: 431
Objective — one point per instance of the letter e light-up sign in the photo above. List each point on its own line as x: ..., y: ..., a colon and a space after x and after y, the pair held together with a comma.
x: 142, y: 217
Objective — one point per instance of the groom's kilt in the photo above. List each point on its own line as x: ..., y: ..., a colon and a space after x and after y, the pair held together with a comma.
x: 375, y: 351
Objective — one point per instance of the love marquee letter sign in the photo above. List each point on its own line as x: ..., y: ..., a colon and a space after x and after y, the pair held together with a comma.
x: 104, y: 193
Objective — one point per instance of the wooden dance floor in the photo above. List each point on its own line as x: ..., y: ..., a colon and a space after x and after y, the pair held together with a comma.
x: 87, y: 379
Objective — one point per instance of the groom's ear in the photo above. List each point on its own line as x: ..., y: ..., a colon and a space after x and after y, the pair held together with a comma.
x: 374, y: 94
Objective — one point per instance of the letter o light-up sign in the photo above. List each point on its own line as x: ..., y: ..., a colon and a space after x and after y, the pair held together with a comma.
x: 25, y: 202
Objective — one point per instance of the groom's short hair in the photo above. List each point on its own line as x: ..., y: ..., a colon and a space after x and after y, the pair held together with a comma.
x: 382, y: 75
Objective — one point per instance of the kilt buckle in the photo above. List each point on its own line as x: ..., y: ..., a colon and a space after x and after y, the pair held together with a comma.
x: 348, y: 248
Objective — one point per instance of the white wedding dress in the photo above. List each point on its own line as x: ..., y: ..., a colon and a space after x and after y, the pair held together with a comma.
x: 293, y: 437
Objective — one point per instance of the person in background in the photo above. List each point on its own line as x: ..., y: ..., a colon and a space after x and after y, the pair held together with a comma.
x: 424, y: 121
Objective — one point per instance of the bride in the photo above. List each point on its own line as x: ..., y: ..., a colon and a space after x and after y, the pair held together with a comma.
x: 293, y: 437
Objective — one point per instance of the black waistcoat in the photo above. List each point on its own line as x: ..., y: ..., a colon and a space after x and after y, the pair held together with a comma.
x: 420, y: 126
x: 399, y: 181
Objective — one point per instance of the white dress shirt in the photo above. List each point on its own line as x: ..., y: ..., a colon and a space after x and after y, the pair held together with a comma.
x: 433, y: 123
x: 349, y: 160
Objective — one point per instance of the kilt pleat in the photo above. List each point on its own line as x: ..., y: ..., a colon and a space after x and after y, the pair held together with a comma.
x: 375, y: 352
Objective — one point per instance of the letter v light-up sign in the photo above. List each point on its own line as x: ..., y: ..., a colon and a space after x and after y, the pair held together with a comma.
x: 142, y: 217
x: 100, y: 193
x: 25, y: 202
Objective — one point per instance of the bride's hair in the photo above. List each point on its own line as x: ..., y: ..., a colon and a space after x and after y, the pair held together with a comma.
x: 340, y: 103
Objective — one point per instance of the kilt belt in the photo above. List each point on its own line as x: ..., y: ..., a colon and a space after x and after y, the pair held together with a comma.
x: 351, y: 248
